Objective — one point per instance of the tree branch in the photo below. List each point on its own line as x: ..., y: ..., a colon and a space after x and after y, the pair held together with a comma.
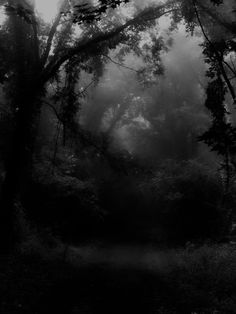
x: 53, y: 109
x: 58, y: 115
x: 120, y: 64
x: 52, y: 33
x: 50, y: 39
x: 88, y: 44
x: 218, y: 57
x: 233, y: 65
x: 229, y: 66
x: 82, y: 93
x: 36, y: 39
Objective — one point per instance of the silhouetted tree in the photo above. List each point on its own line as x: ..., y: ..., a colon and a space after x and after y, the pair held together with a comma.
x: 219, y: 50
x: 36, y: 61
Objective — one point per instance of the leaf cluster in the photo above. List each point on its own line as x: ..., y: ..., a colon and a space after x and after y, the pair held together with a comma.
x: 25, y: 13
x: 85, y: 13
x: 221, y: 136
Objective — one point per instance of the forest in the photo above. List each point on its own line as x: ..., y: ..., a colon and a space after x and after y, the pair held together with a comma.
x: 118, y: 156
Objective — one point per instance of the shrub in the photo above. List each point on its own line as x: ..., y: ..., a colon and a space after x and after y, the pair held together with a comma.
x: 188, y: 197
x: 204, y: 279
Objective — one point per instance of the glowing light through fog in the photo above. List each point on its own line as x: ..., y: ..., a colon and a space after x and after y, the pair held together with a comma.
x: 2, y: 16
x: 47, y: 9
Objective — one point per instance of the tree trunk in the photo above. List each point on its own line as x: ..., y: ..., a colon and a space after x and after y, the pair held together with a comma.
x: 24, y: 98
x: 18, y: 167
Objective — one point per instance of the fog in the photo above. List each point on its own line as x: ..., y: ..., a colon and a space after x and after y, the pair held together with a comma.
x: 117, y: 157
x: 153, y: 120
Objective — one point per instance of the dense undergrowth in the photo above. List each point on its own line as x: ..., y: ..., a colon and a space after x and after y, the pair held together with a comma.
x: 172, y: 204
x: 178, y: 208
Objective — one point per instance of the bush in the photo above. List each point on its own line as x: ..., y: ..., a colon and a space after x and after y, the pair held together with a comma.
x: 188, y: 198
x: 176, y: 203
x: 64, y: 203
x: 204, y: 279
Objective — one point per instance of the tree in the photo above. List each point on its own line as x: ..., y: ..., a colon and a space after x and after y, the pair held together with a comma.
x: 41, y: 55
x: 216, y: 20
x: 220, y: 55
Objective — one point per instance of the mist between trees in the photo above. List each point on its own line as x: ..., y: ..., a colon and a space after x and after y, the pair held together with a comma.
x: 117, y: 134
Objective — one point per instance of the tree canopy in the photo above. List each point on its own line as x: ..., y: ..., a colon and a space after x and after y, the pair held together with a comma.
x: 44, y: 64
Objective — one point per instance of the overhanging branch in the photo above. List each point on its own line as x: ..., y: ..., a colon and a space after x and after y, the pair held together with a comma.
x: 88, y: 44
x: 120, y: 64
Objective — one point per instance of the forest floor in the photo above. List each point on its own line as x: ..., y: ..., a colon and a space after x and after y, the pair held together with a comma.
x: 121, y: 256
x: 120, y: 279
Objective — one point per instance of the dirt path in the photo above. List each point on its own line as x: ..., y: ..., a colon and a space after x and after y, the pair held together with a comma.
x: 136, y: 257
x: 111, y: 280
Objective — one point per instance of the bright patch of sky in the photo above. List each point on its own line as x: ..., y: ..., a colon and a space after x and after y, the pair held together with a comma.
x: 47, y: 9
x: 2, y: 16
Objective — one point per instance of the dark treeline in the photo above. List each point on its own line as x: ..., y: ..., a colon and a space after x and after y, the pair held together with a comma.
x: 117, y: 165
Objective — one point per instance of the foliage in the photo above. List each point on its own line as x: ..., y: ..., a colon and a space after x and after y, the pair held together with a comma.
x: 217, y: 2
x: 190, y: 280
x: 62, y: 202
x: 203, y: 279
x: 219, y: 51
x: 188, y: 198
x: 221, y: 137
x: 44, y: 57
x: 89, y: 189
x: 177, y: 203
